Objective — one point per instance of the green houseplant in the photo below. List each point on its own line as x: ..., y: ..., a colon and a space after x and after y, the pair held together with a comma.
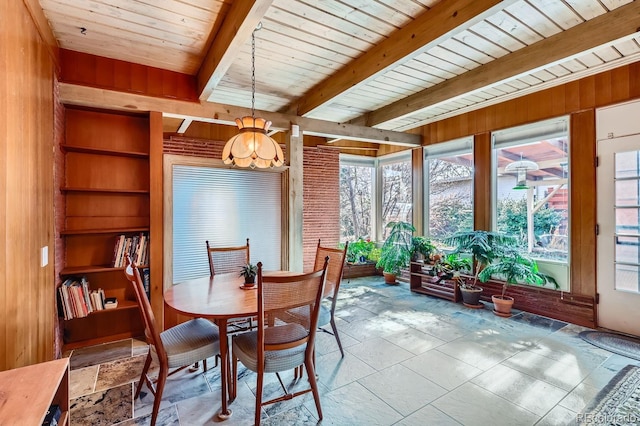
x: 396, y: 250
x: 422, y: 247
x: 513, y: 267
x: 249, y: 272
x: 358, y: 251
x: 484, y: 247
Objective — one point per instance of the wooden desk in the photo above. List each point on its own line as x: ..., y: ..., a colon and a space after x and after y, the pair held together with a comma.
x: 27, y: 392
x: 219, y: 299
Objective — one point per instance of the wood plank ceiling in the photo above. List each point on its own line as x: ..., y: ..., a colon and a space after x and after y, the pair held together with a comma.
x: 391, y: 64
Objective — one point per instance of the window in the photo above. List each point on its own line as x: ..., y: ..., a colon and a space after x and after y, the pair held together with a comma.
x: 396, y: 190
x: 219, y: 205
x: 448, y: 188
x: 356, y: 193
x: 532, y: 187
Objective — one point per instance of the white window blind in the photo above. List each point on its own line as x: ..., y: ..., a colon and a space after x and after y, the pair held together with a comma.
x: 224, y: 206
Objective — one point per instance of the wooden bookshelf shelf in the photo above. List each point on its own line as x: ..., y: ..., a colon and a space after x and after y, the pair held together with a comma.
x: 122, y: 305
x: 103, y: 151
x: 107, y: 190
x: 104, y: 231
x: 91, y: 269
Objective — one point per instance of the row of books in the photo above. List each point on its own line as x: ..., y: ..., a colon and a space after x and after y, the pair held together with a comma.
x: 76, y: 300
x: 136, y: 246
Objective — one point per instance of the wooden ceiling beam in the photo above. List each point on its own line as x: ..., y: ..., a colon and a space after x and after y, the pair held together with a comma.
x: 621, y: 22
x: 243, y: 17
x: 416, y: 37
x: 72, y: 94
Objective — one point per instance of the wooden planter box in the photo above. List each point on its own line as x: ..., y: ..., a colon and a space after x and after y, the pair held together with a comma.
x: 354, y: 270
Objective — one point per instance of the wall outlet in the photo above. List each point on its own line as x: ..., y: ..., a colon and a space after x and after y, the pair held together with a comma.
x: 44, y: 258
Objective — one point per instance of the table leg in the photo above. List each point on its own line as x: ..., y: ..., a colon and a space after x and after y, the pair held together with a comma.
x: 225, y: 412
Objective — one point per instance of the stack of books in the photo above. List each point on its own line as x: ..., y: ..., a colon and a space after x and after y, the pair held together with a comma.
x: 76, y: 300
x: 136, y: 246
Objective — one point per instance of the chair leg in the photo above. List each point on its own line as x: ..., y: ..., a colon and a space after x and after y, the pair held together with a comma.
x: 204, y: 365
x: 259, y: 398
x: 233, y: 380
x: 335, y: 334
x: 162, y: 379
x: 145, y: 369
x: 308, y: 363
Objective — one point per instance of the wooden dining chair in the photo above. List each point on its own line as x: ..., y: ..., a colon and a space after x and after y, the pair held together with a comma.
x: 278, y: 344
x: 226, y: 260
x: 334, y: 277
x: 175, y: 348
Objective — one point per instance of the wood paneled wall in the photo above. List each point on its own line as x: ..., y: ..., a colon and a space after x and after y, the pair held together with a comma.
x: 27, y: 297
x: 97, y: 71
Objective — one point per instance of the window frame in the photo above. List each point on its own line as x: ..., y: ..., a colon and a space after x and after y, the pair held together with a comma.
x: 439, y: 150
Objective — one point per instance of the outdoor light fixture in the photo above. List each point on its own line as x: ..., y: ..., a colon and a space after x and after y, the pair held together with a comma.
x: 521, y: 167
x: 252, y: 147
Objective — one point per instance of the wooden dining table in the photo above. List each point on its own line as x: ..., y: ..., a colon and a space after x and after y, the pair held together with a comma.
x: 218, y: 298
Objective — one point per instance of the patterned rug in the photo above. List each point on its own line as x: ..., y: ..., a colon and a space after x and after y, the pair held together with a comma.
x: 616, y: 343
x: 618, y: 403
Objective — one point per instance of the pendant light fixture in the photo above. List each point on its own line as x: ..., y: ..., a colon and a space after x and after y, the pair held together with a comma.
x: 521, y: 167
x: 252, y: 147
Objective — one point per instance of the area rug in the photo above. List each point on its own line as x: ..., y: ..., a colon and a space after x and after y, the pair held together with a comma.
x: 618, y: 403
x: 616, y: 343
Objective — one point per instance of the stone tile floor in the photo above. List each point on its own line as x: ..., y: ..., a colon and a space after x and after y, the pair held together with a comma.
x: 410, y: 359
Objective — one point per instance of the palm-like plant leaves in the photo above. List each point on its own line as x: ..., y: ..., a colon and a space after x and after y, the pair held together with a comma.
x: 484, y: 246
x: 396, y: 250
x: 515, y: 267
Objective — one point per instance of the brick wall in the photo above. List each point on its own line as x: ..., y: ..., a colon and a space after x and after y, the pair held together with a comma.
x: 321, y: 195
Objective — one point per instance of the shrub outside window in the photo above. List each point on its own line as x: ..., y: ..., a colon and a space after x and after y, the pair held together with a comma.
x: 532, y: 187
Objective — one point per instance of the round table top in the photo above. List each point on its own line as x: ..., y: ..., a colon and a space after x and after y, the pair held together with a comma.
x: 220, y: 296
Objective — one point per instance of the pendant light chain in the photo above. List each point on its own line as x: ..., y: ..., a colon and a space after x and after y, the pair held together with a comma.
x: 253, y: 73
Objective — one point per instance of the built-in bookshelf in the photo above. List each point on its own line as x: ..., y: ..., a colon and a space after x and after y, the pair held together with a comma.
x: 106, y: 197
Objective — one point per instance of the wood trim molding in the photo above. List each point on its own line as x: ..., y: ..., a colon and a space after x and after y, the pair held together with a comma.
x: 72, y: 94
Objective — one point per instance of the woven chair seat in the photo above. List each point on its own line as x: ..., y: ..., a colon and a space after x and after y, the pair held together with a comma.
x: 245, y: 345
x: 190, y: 342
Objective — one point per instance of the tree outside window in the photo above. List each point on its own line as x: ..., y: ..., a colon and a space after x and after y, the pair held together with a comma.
x: 450, y: 195
x: 355, y: 202
x: 396, y: 194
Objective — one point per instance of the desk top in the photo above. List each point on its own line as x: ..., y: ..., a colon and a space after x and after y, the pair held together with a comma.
x: 216, y: 298
x: 27, y: 392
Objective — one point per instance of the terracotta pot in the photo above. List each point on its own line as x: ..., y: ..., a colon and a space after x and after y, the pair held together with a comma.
x: 471, y: 297
x: 502, y: 305
x: 389, y: 278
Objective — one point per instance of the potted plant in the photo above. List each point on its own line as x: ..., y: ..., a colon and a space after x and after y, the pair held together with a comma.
x: 396, y: 250
x: 421, y: 248
x: 513, y: 267
x: 249, y: 273
x: 484, y: 247
x: 358, y: 251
